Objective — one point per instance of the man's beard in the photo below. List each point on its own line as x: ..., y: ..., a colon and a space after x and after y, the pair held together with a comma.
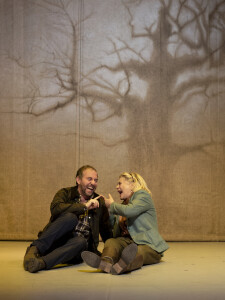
x: 87, y: 192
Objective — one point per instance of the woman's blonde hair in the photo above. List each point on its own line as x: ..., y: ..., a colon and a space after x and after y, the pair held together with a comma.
x: 137, y: 180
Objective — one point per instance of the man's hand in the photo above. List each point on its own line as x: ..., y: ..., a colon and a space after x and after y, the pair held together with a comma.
x: 92, y: 203
x: 108, y: 201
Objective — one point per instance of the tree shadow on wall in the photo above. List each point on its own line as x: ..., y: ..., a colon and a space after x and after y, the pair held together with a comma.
x: 166, y: 78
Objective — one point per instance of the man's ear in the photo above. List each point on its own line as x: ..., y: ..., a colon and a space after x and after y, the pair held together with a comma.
x: 78, y: 180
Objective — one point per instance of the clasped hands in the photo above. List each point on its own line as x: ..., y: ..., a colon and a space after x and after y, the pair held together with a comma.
x: 93, y: 203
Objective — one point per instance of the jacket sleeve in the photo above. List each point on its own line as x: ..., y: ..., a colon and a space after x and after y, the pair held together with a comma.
x: 140, y: 203
x: 61, y: 204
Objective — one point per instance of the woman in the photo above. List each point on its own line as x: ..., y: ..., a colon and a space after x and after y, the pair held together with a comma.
x: 136, y: 240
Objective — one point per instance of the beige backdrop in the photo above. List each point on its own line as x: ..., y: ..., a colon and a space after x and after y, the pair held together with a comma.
x: 121, y: 85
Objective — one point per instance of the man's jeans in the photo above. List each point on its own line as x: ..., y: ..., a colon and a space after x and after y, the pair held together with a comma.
x: 59, y: 244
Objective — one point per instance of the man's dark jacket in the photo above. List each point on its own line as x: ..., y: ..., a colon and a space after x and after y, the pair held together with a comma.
x: 66, y: 200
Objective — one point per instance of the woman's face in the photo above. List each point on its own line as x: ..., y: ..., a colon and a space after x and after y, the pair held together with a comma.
x: 124, y: 188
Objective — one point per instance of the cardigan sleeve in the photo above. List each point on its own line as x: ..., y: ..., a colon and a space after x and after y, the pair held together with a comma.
x: 140, y: 202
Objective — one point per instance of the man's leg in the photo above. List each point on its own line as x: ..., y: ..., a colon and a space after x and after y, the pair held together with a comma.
x: 64, y: 254
x: 67, y: 252
x: 56, y: 230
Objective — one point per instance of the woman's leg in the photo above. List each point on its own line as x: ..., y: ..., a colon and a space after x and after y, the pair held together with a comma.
x: 145, y: 255
x: 113, y: 248
x: 115, y: 252
x: 149, y: 255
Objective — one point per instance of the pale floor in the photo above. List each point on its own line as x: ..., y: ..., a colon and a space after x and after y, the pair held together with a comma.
x: 188, y: 271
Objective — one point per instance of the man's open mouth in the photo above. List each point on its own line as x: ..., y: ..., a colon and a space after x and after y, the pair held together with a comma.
x: 90, y: 188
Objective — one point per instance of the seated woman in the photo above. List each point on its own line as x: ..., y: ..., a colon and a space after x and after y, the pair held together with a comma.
x: 136, y: 240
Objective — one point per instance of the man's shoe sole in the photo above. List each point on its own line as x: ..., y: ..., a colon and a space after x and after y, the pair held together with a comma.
x: 35, y: 265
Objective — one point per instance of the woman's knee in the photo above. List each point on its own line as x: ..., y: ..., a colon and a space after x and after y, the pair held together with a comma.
x: 149, y: 255
x: 112, y: 242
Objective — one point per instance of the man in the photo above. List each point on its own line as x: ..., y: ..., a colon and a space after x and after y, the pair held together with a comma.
x: 78, y: 215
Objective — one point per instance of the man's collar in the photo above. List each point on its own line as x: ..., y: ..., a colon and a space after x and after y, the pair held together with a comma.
x: 74, y: 192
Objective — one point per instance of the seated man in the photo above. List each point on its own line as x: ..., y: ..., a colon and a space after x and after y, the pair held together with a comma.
x: 78, y: 215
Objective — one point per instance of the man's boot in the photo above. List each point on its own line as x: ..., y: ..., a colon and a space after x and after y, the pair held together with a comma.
x: 31, y: 252
x: 127, y: 257
x: 35, y: 265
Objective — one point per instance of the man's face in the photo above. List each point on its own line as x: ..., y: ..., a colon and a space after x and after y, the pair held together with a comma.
x: 88, y: 183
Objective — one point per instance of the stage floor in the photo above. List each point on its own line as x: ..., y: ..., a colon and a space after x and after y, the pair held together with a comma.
x: 187, y: 271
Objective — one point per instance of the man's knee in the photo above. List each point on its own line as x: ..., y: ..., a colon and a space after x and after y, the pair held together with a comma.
x: 69, y: 218
x: 82, y: 241
x: 79, y: 243
x: 77, y: 239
